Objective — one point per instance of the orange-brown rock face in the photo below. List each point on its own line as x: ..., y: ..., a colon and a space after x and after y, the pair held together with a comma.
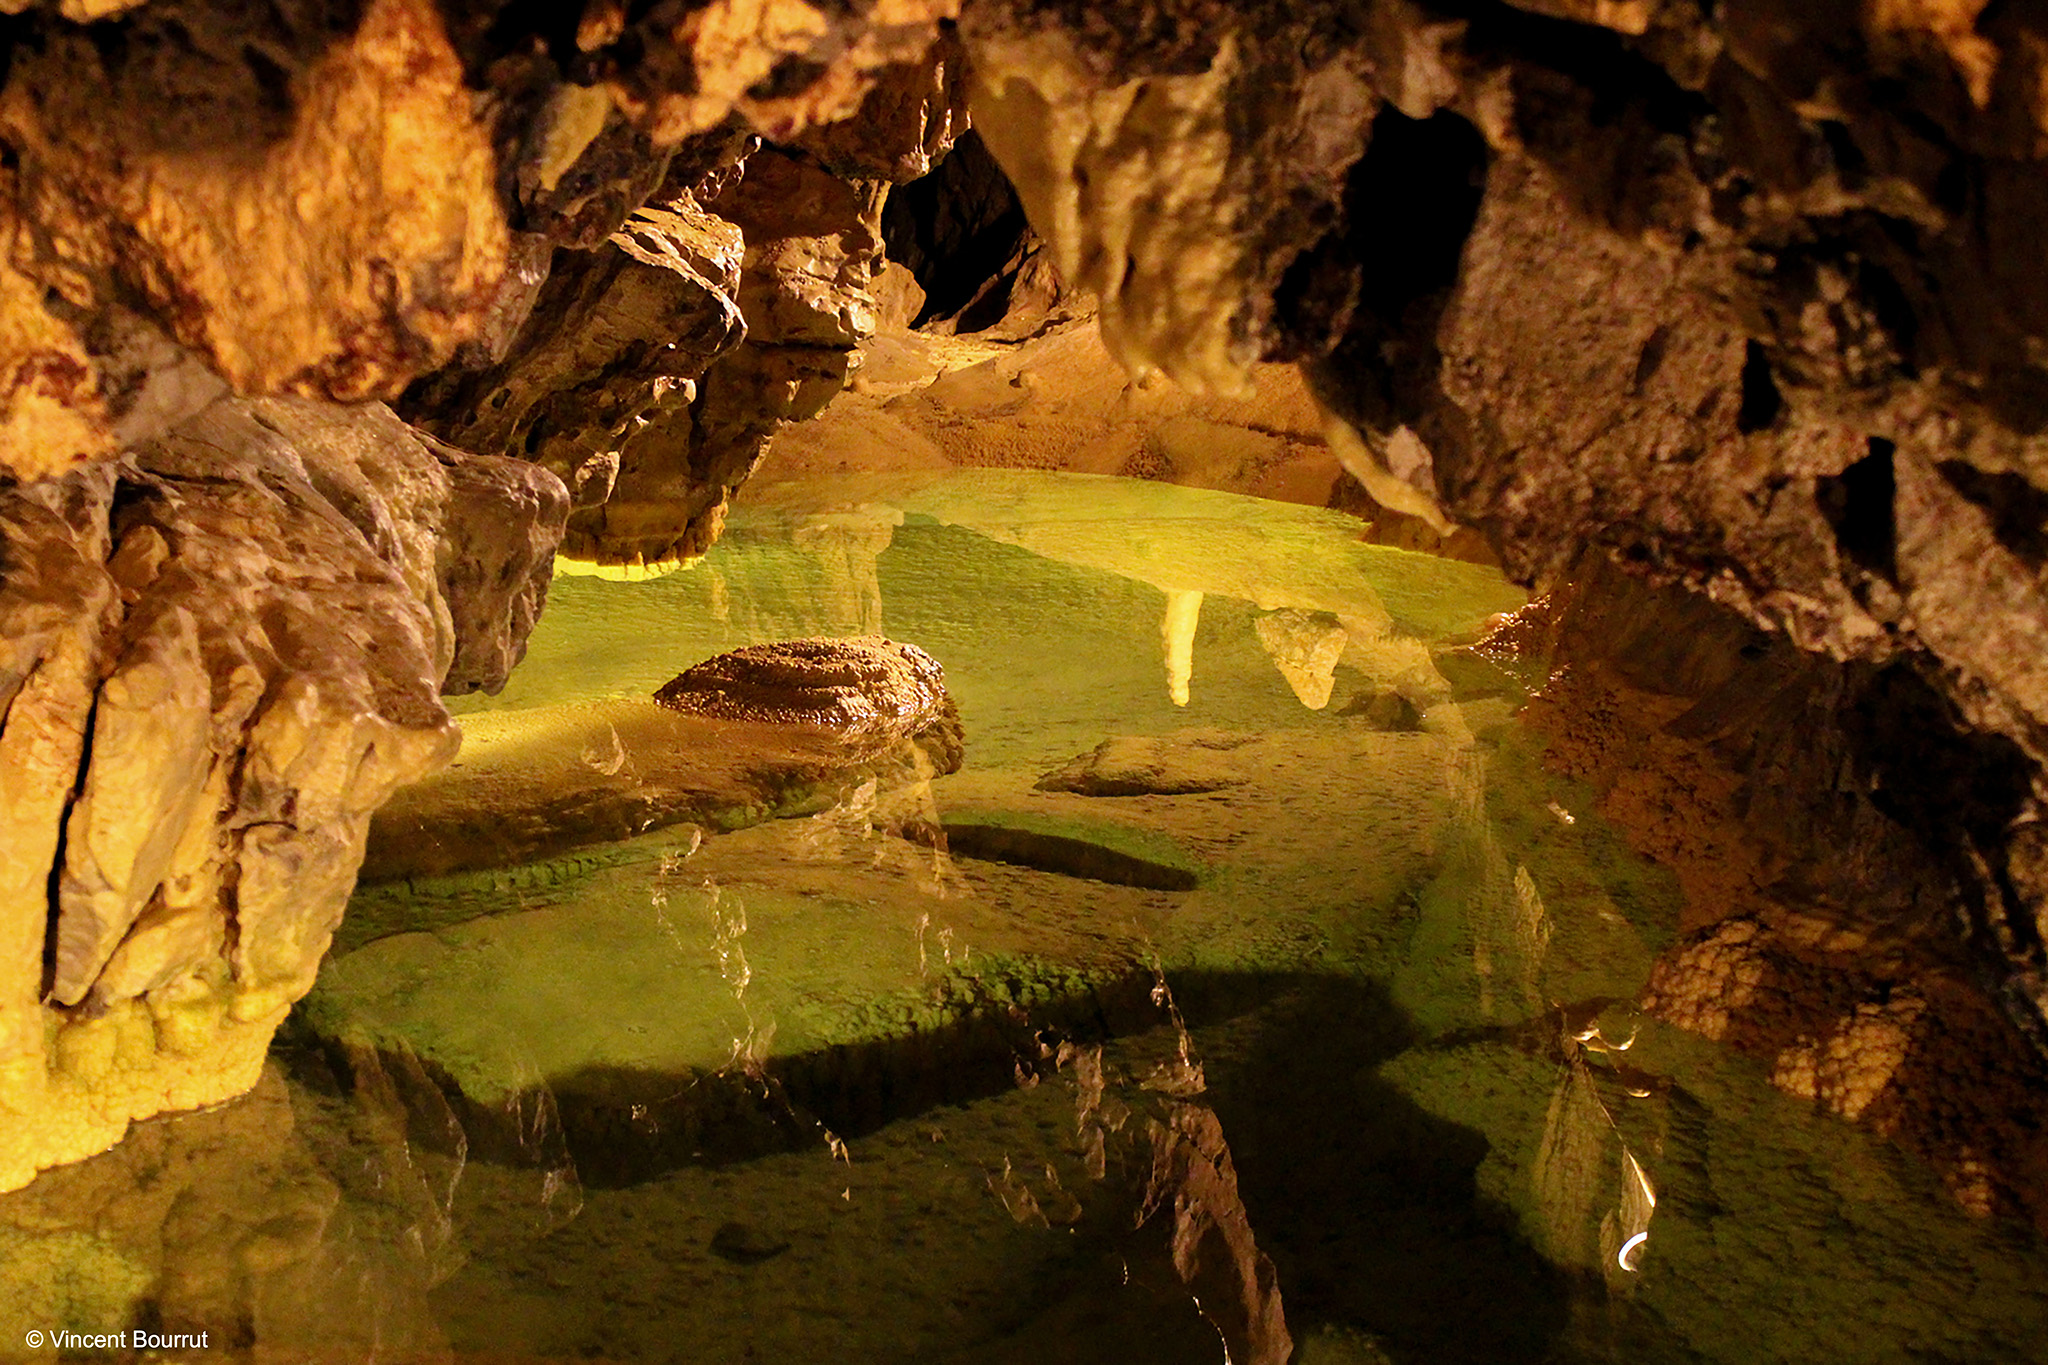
x: 335, y: 200
x: 1818, y: 935
x: 1746, y: 296
x: 1741, y: 296
x: 222, y: 656
x: 308, y: 210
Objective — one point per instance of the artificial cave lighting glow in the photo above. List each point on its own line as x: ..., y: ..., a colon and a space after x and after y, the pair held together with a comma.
x: 1249, y: 972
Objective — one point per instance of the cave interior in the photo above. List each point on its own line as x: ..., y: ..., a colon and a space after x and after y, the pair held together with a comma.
x: 940, y: 681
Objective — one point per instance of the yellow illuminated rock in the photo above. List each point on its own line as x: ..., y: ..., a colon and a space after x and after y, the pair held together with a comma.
x: 217, y: 662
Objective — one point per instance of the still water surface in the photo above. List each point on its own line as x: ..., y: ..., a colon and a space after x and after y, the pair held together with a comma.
x: 1354, y: 1077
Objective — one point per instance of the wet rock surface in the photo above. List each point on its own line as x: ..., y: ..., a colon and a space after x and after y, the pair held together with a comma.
x: 1173, y: 766
x: 1747, y: 298
x: 269, y: 592
x: 766, y: 732
x: 858, y: 686
x: 1819, y: 937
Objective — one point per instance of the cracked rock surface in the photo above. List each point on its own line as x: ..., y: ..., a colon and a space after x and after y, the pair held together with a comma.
x: 223, y: 653
x: 1745, y: 297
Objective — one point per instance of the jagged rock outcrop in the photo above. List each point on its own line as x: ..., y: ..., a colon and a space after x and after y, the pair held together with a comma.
x: 222, y: 654
x: 169, y: 157
x: 1739, y: 295
x: 652, y: 364
x: 609, y: 359
x: 333, y: 200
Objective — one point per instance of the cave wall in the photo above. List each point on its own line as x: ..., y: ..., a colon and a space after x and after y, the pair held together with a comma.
x: 218, y: 656
x: 1737, y: 295
x: 1742, y: 296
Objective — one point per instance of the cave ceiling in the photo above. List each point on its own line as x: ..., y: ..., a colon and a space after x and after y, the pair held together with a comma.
x: 1748, y: 297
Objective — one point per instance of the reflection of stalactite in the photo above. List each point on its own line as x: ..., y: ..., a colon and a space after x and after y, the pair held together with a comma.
x: 1530, y: 929
x: 1305, y: 646
x: 848, y: 548
x: 893, y: 822
x: 1626, y: 1230
x: 1233, y: 1282
x: 1510, y: 929
x: 1177, y: 634
x: 1566, y: 1173
x: 721, y: 597
x: 1166, y: 1132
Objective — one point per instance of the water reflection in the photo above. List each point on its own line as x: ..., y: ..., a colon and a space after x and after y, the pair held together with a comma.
x: 1346, y: 1072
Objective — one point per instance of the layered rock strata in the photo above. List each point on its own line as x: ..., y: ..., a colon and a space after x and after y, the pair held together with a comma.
x: 222, y: 654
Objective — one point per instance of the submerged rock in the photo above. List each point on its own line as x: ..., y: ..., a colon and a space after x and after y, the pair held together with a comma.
x: 744, y: 1244
x: 1145, y: 765
x: 864, y: 686
x: 1387, y: 709
x: 757, y: 734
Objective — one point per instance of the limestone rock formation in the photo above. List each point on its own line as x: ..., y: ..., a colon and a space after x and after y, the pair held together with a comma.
x: 1818, y: 934
x: 336, y: 201
x: 1125, y: 137
x: 1740, y: 295
x: 651, y: 365
x: 608, y: 361
x: 174, y: 155
x: 222, y: 655
x: 1745, y: 296
x: 859, y: 686
x: 761, y: 733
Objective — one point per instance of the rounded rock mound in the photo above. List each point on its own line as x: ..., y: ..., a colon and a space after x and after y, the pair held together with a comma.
x: 866, y: 686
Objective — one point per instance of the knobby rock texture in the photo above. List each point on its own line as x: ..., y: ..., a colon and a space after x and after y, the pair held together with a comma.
x: 218, y: 656
x: 233, y: 584
x: 1743, y: 299
x: 663, y: 343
